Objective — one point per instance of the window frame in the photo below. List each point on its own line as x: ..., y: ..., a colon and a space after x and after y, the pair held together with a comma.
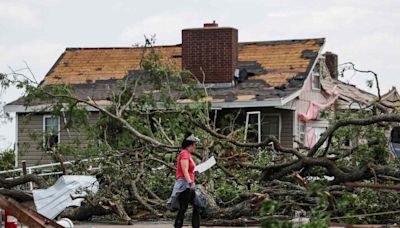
x: 301, y: 132
x: 44, y: 128
x: 317, y: 137
x: 314, y: 75
x: 258, y: 113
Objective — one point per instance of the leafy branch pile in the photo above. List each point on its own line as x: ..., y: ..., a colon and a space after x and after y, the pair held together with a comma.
x: 136, y: 140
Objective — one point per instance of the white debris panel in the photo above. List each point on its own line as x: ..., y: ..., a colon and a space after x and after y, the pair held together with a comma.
x: 52, y: 201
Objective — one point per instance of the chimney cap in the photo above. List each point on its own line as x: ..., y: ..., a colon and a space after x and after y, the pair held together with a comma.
x: 211, y: 25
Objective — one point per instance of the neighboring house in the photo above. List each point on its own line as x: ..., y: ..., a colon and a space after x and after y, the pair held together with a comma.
x: 349, y: 96
x: 276, y: 85
x: 391, y: 100
x: 352, y: 98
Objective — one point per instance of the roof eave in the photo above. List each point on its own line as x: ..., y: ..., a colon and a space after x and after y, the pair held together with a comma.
x: 38, y: 108
x: 275, y: 102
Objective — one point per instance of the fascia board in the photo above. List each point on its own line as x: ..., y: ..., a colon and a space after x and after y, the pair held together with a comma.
x: 26, y: 109
x: 37, y: 108
x: 214, y: 105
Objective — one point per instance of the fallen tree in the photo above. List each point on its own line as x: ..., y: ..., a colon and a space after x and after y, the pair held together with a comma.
x: 137, y: 137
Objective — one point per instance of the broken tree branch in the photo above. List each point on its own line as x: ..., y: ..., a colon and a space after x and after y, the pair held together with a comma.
x: 39, y: 181
x: 358, y: 122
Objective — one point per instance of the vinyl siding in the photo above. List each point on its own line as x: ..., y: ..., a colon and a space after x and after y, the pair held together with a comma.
x: 30, y: 137
x: 286, y: 120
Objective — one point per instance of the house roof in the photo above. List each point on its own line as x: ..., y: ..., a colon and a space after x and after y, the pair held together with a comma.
x: 276, y: 69
x: 349, y: 95
x: 392, y: 97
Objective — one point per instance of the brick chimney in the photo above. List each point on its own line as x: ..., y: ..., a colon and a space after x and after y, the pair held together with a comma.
x: 214, y: 50
x: 331, y: 61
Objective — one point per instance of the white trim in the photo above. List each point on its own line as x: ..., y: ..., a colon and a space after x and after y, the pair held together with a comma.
x: 312, y: 81
x: 291, y: 96
x: 258, y: 113
x: 16, y: 141
x: 304, y: 132
x: 295, y: 133
x: 273, y: 102
x: 44, y: 127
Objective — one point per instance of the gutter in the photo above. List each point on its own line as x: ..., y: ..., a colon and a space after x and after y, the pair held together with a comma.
x: 275, y: 102
x: 38, y: 108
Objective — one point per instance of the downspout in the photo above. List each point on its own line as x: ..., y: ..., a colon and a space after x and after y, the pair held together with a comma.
x: 16, y: 141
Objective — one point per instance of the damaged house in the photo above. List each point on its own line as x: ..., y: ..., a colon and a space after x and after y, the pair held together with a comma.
x: 352, y: 98
x: 276, y: 85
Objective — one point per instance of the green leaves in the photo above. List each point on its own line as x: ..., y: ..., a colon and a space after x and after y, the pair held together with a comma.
x: 7, y: 160
x: 268, y: 208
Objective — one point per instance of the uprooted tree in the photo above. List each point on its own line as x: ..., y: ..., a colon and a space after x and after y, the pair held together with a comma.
x: 136, y: 141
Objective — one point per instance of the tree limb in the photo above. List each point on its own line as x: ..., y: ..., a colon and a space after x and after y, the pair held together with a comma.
x: 39, y: 181
x: 347, y: 122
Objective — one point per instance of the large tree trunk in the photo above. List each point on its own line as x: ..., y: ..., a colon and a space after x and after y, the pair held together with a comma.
x: 84, y: 212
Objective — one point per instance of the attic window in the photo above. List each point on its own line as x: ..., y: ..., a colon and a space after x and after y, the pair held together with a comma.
x: 51, y: 131
x: 316, y: 80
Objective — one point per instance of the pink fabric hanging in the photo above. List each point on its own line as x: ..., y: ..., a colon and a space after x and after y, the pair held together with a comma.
x: 311, y: 138
x: 313, y: 110
x: 333, y: 91
x: 314, y: 107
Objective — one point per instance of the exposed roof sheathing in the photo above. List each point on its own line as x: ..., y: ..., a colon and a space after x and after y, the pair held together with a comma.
x: 88, y: 65
x: 349, y: 95
x: 280, y: 59
x: 275, y: 69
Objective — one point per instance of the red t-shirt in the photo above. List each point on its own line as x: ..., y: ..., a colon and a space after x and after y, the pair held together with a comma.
x: 185, y: 155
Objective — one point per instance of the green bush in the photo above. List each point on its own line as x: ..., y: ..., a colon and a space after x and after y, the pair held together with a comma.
x: 7, y: 159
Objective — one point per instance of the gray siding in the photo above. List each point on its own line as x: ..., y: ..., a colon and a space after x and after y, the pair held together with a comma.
x: 30, y: 131
x: 287, y: 131
x: 30, y: 138
x: 286, y: 121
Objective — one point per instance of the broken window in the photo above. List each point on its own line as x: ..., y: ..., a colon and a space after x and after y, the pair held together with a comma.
x: 51, y: 130
x: 271, y: 126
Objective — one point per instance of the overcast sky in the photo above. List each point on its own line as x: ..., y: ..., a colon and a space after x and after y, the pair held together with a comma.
x: 362, y: 31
